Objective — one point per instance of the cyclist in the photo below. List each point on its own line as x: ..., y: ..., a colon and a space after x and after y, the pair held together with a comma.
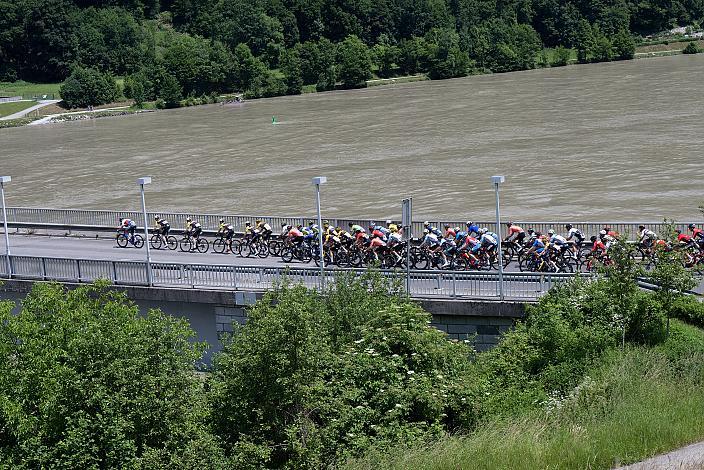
x: 222, y: 227
x: 432, y: 229
x: 393, y: 228
x: 228, y: 235
x: 598, y: 246
x: 432, y: 241
x: 128, y: 226
x: 575, y: 238
x: 488, y: 240
x: 162, y: 228
x: 697, y: 235
x: 450, y: 232
x: 293, y: 235
x: 460, y: 236
x: 354, y: 228
x: 249, y: 232
x: 379, y: 233
x: 685, y: 240
x: 187, y: 228
x: 472, y: 228
x: 196, y: 230
x: 375, y: 244
x: 264, y: 229
x: 379, y: 228
x: 515, y: 233
x: 557, y: 242
x: 647, y: 237
x: 541, y: 250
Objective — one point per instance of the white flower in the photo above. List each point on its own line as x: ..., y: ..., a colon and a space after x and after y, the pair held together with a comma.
x: 361, y: 340
x: 398, y: 405
x: 410, y: 372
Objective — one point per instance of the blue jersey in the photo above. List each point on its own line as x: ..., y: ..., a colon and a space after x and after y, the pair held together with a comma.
x: 474, y: 228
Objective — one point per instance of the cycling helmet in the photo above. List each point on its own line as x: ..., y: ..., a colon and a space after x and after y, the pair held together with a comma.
x: 288, y: 227
x: 508, y: 224
x: 447, y: 226
x: 188, y: 219
x: 551, y: 232
x: 299, y: 226
x: 426, y: 231
x: 641, y: 227
x: 538, y: 234
x: 593, y: 238
x: 531, y: 231
x: 678, y: 231
x: 607, y: 228
x: 247, y: 223
x: 483, y: 230
x: 426, y: 223
x: 258, y: 221
x: 691, y: 226
x: 389, y: 222
x: 457, y: 229
x: 284, y: 225
x: 156, y: 217
x: 222, y: 220
x: 121, y: 220
x: 568, y: 226
x: 469, y: 222
x: 350, y: 224
x: 603, y: 232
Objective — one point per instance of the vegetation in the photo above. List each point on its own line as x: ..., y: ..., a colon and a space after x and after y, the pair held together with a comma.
x: 88, y: 87
x: 224, y: 46
x: 319, y: 379
x: 692, y: 48
x: 14, y: 107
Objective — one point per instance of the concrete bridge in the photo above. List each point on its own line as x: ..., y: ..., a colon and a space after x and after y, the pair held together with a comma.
x: 212, y: 290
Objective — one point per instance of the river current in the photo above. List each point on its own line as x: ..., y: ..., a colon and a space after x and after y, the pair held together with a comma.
x: 613, y: 141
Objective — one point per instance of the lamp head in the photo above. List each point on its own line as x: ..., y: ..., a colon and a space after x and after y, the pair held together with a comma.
x: 318, y: 180
x: 144, y: 180
x: 5, y: 179
x: 498, y: 179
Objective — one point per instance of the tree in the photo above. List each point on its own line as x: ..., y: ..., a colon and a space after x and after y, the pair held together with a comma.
x: 88, y: 382
x: 561, y: 57
x: 139, y: 88
x: 585, y: 43
x: 354, y: 63
x: 692, y: 48
x: 199, y: 65
x: 413, y: 56
x: 624, y: 45
x: 170, y: 91
x: 248, y: 71
x: 603, y: 49
x: 88, y: 87
x: 386, y: 57
x: 446, y: 59
x: 293, y: 74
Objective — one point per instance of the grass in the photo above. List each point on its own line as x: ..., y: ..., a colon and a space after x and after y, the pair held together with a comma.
x: 638, y: 403
x: 14, y: 107
x: 29, y: 89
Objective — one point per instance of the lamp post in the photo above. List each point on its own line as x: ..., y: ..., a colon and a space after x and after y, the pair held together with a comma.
x: 497, y: 180
x: 317, y: 181
x: 142, y: 181
x: 3, y: 180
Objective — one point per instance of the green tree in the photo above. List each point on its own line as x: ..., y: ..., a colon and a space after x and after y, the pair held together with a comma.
x: 692, y: 48
x: 199, y: 65
x: 248, y: 71
x: 624, y: 45
x: 386, y: 56
x: 88, y: 382
x: 561, y: 57
x: 446, y: 59
x: 88, y: 87
x: 139, y: 88
x: 170, y: 91
x: 354, y: 62
x: 585, y: 42
x: 291, y: 67
x: 413, y: 56
x: 603, y: 49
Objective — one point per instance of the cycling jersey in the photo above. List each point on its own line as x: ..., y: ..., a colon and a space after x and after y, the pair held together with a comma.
x: 575, y: 233
x: 377, y: 242
x: 460, y: 237
x: 538, y: 246
x: 474, y: 228
x: 492, y: 235
x: 379, y: 234
x: 598, y: 245
x: 430, y: 239
x: 294, y: 233
x: 436, y: 231
x: 698, y: 234
x: 357, y: 228
x: 649, y: 234
x: 515, y: 229
x: 684, y: 238
x: 558, y: 240
x: 488, y: 240
x: 128, y: 223
x: 393, y: 228
x: 450, y: 233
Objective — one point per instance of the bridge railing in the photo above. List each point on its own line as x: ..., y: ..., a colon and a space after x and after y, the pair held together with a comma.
x: 210, y: 222
x: 518, y: 286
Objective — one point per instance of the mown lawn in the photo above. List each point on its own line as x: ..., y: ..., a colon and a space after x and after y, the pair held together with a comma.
x: 15, y: 106
x: 26, y: 88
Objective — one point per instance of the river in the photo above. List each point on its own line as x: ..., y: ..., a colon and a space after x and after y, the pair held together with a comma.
x: 616, y: 141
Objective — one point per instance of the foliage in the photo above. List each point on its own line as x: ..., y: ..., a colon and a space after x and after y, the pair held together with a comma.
x: 88, y: 382
x: 561, y: 57
x: 354, y: 62
x: 692, y: 48
x: 292, y: 68
x: 86, y: 87
x: 311, y: 378
x: 170, y: 91
x: 624, y: 45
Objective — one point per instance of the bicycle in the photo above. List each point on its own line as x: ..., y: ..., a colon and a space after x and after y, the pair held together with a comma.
x: 123, y: 240
x: 188, y: 244
x: 157, y: 242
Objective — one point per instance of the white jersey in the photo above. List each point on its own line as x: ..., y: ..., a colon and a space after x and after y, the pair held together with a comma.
x: 575, y: 234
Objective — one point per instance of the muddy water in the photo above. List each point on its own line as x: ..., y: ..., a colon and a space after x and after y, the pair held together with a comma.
x: 606, y: 141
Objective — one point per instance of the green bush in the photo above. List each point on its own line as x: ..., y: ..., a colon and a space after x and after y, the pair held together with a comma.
x: 692, y: 48
x: 88, y: 382
x: 88, y: 87
x: 561, y: 56
x: 688, y: 309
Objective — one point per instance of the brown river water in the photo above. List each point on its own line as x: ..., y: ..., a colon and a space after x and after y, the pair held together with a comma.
x: 615, y: 141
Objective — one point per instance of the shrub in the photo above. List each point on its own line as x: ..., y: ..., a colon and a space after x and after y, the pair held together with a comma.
x: 88, y: 87
x: 561, y: 57
x: 688, y: 309
x: 692, y: 48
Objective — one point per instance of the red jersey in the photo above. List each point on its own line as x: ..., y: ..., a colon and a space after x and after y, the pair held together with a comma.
x: 697, y: 233
x: 294, y: 232
x: 377, y: 242
x: 450, y: 232
x: 682, y: 237
x: 515, y: 229
x: 599, y: 245
x: 378, y: 233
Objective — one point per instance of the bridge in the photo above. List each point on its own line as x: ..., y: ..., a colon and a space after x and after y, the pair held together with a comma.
x: 212, y: 290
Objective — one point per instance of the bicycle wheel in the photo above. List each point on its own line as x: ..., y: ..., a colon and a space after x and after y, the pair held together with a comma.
x: 460, y: 264
x: 219, y: 245
x: 249, y: 249
x: 156, y: 242
x: 185, y: 244
x: 262, y: 249
x: 275, y: 247
x: 287, y: 255
x: 138, y: 241
x: 122, y: 240
x: 419, y: 260
x: 202, y: 245
x: 171, y: 242
x: 236, y: 247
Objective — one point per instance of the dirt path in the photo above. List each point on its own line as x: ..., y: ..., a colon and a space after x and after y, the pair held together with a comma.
x: 24, y: 112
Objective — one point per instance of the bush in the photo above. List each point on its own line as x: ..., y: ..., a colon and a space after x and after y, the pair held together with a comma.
x: 88, y: 87
x: 692, y: 48
x: 170, y: 91
x: 88, y: 382
x: 561, y: 56
x: 354, y: 63
x: 688, y: 309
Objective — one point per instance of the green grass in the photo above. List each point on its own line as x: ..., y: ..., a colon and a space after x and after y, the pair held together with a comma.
x: 638, y: 403
x: 15, y: 106
x: 26, y: 88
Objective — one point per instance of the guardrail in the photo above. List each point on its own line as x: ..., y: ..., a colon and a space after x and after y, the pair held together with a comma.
x: 210, y: 222
x: 424, y: 284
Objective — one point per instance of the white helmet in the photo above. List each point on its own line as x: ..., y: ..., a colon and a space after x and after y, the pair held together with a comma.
x: 426, y: 223
x: 483, y: 230
x: 389, y: 222
x: 426, y: 231
x: 551, y: 232
x: 603, y: 232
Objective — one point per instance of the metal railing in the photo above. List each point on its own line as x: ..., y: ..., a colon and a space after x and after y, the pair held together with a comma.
x: 210, y: 222
x: 424, y: 284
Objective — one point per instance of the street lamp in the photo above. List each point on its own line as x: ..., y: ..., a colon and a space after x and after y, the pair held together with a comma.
x: 497, y: 180
x: 142, y: 181
x: 317, y: 181
x: 3, y: 180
